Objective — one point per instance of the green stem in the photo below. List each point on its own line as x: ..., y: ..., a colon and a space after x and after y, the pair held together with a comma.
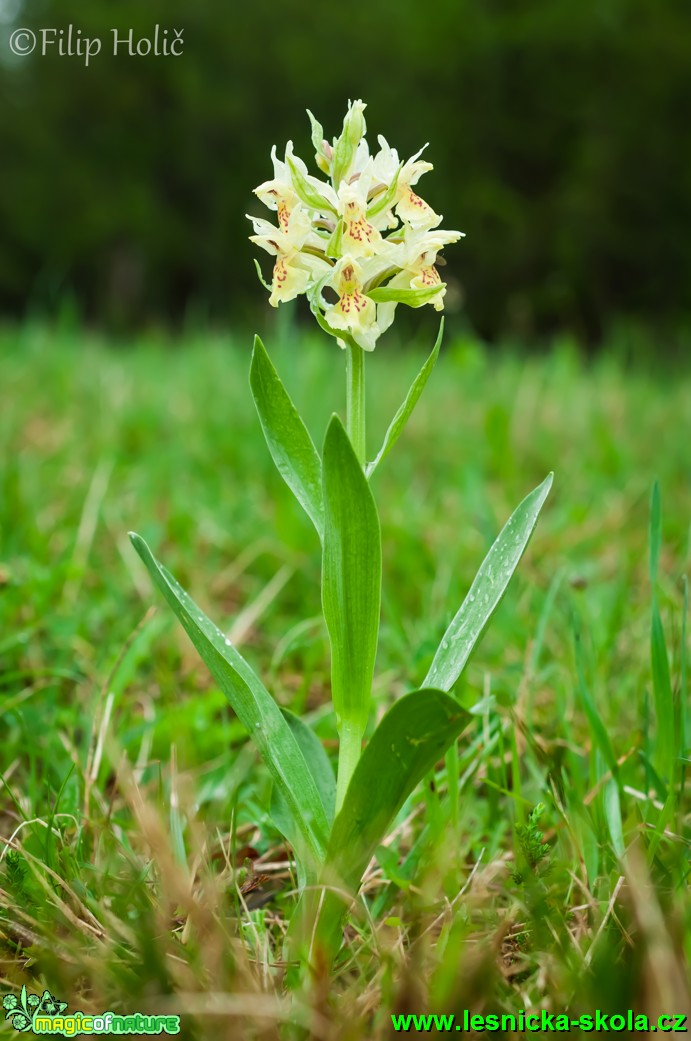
x: 355, y: 400
x: 350, y: 745
x: 349, y: 750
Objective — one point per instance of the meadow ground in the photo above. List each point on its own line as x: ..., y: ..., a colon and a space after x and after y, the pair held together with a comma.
x: 133, y: 825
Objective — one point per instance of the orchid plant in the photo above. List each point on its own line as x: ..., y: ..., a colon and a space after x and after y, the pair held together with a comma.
x: 370, y: 242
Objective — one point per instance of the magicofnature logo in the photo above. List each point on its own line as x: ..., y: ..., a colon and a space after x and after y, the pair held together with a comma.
x: 45, y: 1015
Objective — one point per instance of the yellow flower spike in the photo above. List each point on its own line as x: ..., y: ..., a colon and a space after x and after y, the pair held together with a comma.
x: 367, y: 234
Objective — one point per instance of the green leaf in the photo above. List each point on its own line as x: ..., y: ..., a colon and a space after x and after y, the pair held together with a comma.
x: 486, y: 592
x: 346, y: 145
x: 335, y: 243
x: 401, y: 418
x: 412, y: 736
x: 306, y: 192
x: 388, y: 860
x: 338, y: 334
x: 322, y: 774
x: 317, y: 305
x: 344, y: 151
x: 253, y: 705
x: 290, y: 444
x: 267, y: 285
x: 317, y: 134
x: 384, y: 199
x: 351, y: 580
x: 411, y: 297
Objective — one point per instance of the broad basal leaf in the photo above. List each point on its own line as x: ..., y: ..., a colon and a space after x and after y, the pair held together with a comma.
x: 290, y: 444
x: 411, y: 737
x: 255, y: 708
x: 486, y: 591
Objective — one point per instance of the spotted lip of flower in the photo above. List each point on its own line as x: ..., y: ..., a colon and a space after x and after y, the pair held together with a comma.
x: 293, y: 269
x: 417, y: 212
x: 360, y: 237
x: 354, y: 312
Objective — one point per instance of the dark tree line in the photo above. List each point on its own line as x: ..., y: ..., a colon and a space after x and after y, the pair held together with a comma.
x: 558, y: 130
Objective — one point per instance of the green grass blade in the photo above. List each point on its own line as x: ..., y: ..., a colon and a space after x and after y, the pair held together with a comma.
x: 663, y: 820
x: 486, y: 592
x: 401, y: 418
x: 351, y: 581
x: 665, y: 752
x: 655, y: 532
x: 287, y: 437
x: 253, y: 705
x: 612, y: 811
x: 597, y: 727
x: 684, y: 690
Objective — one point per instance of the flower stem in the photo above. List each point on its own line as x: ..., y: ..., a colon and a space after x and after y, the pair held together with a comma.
x: 349, y: 751
x: 350, y: 745
x: 355, y: 399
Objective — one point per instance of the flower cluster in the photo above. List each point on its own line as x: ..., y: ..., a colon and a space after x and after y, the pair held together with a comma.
x: 366, y: 235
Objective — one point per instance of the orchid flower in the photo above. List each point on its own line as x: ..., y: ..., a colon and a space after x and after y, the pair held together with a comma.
x: 295, y: 266
x: 354, y: 312
x: 364, y: 233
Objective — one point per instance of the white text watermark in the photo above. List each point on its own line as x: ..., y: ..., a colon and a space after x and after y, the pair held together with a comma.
x: 73, y: 43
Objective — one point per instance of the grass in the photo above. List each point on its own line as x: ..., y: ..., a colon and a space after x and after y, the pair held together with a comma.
x: 139, y: 869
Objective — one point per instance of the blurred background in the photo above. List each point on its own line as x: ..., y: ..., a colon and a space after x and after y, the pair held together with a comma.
x: 558, y: 130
